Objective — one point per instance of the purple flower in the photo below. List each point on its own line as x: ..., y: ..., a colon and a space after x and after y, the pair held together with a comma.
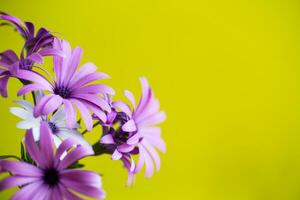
x: 35, y: 48
x: 71, y: 87
x: 50, y: 177
x: 137, y: 128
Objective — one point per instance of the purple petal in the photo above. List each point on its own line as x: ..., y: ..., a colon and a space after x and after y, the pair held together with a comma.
x: 107, y: 139
x: 157, y: 142
x: 33, y: 149
x: 153, y: 153
x: 92, y: 98
x: 34, y: 77
x: 122, y: 107
x: 83, y: 71
x: 14, y: 181
x: 98, y: 112
x: 29, y: 88
x: 63, y: 147
x: 87, y: 190
x: 73, y: 63
x: 116, y: 155
x: 52, y: 104
x: 86, y: 116
x: 148, y: 162
x: 3, y: 86
x: 94, y: 89
x: 154, y: 119
x: 134, y: 139
x: 87, y: 79
x: 36, y: 57
x: 20, y: 168
x: 125, y: 148
x: 70, y: 113
x: 40, y: 105
x: 130, y: 97
x: 76, y: 154
x: 28, y: 191
x: 52, y: 52
x: 46, y: 144
x: 129, y: 126
x: 71, y: 196
x: 145, y: 95
x: 82, y: 176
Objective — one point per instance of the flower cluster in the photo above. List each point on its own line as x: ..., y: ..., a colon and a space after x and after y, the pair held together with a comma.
x: 49, y: 163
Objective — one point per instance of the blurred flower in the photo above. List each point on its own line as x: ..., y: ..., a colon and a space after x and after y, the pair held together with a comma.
x: 70, y: 88
x: 57, y: 124
x: 50, y: 178
x: 136, y: 132
x: 35, y: 48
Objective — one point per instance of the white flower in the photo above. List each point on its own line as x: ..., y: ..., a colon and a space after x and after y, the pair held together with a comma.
x: 57, y: 123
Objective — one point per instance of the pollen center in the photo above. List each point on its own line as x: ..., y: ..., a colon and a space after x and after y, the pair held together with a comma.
x: 62, y: 91
x: 53, y: 127
x: 51, y: 177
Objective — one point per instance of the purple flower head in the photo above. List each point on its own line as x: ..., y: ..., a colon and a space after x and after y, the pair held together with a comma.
x: 137, y: 132
x: 71, y: 87
x: 49, y: 177
x: 35, y: 48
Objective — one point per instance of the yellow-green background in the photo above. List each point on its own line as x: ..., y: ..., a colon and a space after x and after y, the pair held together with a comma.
x: 226, y: 73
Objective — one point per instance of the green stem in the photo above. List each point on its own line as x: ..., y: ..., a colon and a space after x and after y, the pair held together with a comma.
x: 85, y: 131
x: 10, y: 156
x: 99, y: 149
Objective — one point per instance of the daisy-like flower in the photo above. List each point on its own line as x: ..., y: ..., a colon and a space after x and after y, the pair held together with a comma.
x: 137, y: 129
x: 71, y: 87
x: 35, y: 48
x: 57, y: 124
x: 49, y: 178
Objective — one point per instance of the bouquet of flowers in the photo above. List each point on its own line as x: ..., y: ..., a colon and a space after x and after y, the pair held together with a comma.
x: 55, y: 106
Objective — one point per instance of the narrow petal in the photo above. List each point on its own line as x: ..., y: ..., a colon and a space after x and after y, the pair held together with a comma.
x: 157, y: 142
x: 129, y: 126
x: 86, y: 116
x: 46, y: 144
x: 3, y: 86
x: 148, y: 161
x: 33, y: 149
x: 78, y: 153
x: 94, y: 99
x: 87, y: 190
x: 122, y: 107
x: 64, y: 147
x: 107, y: 139
x: 28, y: 191
x: 116, y: 155
x: 52, y: 104
x: 125, y: 148
x: 130, y: 97
x: 95, y: 89
x: 20, y: 168
x: 154, y: 119
x: 29, y: 88
x: 34, y: 77
x: 153, y: 153
x: 41, y: 104
x: 70, y: 113
x: 82, y: 176
x: 14, y: 181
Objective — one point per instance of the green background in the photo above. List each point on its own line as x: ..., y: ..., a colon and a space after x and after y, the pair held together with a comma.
x: 226, y: 73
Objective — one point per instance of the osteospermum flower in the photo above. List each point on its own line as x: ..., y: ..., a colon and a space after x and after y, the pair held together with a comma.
x: 50, y: 177
x: 57, y: 124
x: 137, y: 128
x: 71, y: 87
x: 35, y: 48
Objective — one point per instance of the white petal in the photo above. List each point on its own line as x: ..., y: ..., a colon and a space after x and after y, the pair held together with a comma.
x: 75, y: 135
x: 20, y: 112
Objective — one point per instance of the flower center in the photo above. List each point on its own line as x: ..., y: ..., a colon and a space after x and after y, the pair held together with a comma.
x: 26, y: 64
x: 62, y: 91
x: 51, y: 177
x: 53, y: 127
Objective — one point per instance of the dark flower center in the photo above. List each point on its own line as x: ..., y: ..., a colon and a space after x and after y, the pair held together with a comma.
x: 51, y: 177
x: 53, y: 127
x: 26, y: 64
x: 62, y: 91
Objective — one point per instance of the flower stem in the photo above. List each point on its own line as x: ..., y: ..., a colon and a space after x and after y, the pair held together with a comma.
x: 10, y: 156
x: 85, y: 131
